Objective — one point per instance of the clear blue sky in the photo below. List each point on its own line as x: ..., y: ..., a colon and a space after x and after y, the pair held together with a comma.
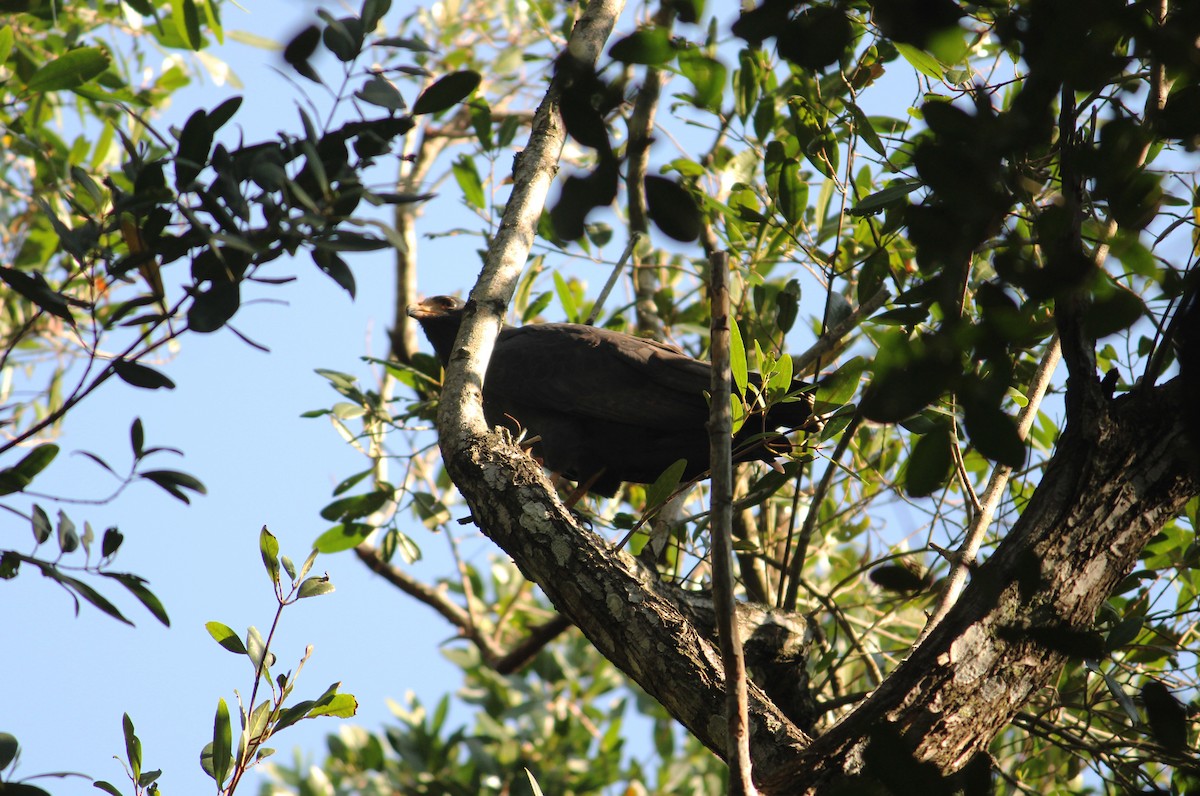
x: 236, y: 415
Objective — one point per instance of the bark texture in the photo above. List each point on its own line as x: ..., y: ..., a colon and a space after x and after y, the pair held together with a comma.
x: 1107, y: 491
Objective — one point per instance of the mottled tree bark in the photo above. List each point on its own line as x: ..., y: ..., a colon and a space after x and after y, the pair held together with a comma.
x: 1121, y: 470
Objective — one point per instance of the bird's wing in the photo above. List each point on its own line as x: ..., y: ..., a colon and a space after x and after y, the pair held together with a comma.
x: 597, y: 373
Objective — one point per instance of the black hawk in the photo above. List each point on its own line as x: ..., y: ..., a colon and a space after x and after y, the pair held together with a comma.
x: 608, y: 407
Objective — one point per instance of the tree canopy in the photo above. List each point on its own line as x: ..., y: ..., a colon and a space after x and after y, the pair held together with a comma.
x: 972, y: 226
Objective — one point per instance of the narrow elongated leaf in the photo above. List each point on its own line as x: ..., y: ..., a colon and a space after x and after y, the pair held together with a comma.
x: 737, y: 359
x: 133, y: 746
x: 69, y: 70
x: 137, y: 588
x: 222, y: 742
x: 34, y: 287
x: 467, y: 177
x: 268, y: 547
x: 174, y: 482
x: 658, y: 492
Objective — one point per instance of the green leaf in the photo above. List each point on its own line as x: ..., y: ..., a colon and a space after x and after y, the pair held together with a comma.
x: 737, y: 359
x: 467, y: 177
x: 446, y: 92
x: 339, y: 706
x: 187, y: 22
x: 707, y: 75
x: 658, y: 492
x: 256, y: 650
x: 866, y: 130
x: 882, y: 200
x: 268, y: 546
x: 133, y: 746
x: 225, y: 636
x: 221, y: 743
x: 314, y: 587
x: 342, y: 537
x: 648, y: 46
x: 793, y: 192
x: 70, y: 70
x: 6, y: 43
x: 138, y: 375
x: 21, y: 474
x: 920, y: 60
x: 930, y: 463
x: 355, y: 506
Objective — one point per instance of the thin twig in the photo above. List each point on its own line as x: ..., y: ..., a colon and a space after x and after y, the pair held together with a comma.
x: 964, y: 558
x: 720, y: 432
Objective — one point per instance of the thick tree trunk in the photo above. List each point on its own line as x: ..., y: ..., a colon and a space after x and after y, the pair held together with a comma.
x: 1106, y: 492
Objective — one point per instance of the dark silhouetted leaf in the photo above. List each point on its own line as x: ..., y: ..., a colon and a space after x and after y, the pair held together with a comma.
x: 111, y: 542
x: 881, y: 200
x: 930, y: 463
x: 897, y: 578
x: 329, y: 262
x: 673, y: 209
x: 993, y: 433
x: 343, y: 37
x: 1168, y: 719
x: 300, y: 49
x: 34, y: 287
x: 901, y: 392
x: 446, y: 92
x: 381, y: 92
x: 914, y: 21
x: 137, y: 587
x: 174, y: 482
x: 138, y: 375
x: 649, y: 46
x: 815, y: 38
x: 212, y: 308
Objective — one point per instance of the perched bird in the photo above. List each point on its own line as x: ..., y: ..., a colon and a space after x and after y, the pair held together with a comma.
x: 608, y: 407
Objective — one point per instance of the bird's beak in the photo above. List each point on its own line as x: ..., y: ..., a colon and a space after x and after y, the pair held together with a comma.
x: 420, y: 312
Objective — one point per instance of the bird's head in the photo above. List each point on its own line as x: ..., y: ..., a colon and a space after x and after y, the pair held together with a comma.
x: 437, y: 307
x: 440, y: 317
